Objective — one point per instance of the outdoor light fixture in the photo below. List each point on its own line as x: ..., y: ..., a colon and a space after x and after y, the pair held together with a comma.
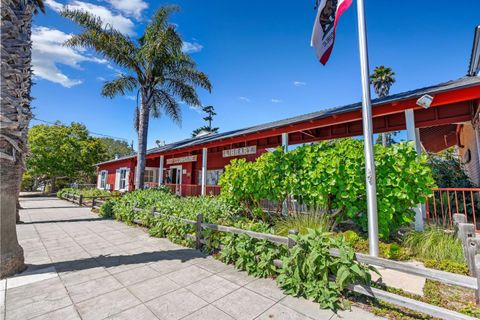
x: 425, y: 101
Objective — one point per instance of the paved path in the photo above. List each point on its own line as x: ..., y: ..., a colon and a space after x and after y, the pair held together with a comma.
x: 83, y: 267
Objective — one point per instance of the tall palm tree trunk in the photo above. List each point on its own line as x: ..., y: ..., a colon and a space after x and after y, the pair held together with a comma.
x: 14, y: 118
x: 143, y: 117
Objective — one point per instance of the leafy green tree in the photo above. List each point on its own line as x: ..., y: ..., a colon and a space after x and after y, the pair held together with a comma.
x: 15, y: 115
x: 62, y: 151
x: 155, y: 67
x: 116, y: 147
x: 210, y: 113
x: 382, y: 79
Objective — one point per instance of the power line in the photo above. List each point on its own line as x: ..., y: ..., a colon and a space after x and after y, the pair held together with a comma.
x: 91, y: 132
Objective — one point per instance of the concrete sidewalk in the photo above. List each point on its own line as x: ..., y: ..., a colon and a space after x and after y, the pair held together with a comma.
x: 83, y: 267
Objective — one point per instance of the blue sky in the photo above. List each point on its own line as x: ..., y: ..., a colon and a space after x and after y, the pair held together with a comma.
x: 257, y: 56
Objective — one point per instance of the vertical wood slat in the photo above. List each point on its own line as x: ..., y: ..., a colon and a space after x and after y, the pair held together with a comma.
x: 198, y: 232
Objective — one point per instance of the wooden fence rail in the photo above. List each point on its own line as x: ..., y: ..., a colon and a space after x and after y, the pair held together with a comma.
x: 467, y: 282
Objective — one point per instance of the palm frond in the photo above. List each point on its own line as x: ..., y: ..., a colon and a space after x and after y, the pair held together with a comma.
x: 105, y: 40
x: 164, y: 101
x: 119, y: 86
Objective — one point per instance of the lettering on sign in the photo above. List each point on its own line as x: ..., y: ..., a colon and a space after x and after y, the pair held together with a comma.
x: 239, y: 151
x: 182, y: 159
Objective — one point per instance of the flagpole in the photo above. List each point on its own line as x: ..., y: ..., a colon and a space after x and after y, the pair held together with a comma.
x: 367, y: 133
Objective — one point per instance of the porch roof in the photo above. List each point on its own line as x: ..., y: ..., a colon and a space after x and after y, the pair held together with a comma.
x: 465, y: 82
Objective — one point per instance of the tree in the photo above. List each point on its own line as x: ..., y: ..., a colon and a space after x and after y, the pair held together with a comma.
x: 61, y: 151
x: 15, y: 115
x: 382, y: 79
x: 210, y: 113
x: 116, y: 147
x: 154, y: 65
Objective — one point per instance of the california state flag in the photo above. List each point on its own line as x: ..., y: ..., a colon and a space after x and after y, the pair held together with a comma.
x: 323, y: 36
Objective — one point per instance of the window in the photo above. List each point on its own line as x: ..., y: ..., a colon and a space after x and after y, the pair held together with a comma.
x: 149, y: 176
x: 213, y: 176
x: 123, y: 179
x: 103, y: 179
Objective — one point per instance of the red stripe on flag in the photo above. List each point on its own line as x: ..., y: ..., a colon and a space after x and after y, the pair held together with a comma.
x: 341, y: 9
x: 326, y: 55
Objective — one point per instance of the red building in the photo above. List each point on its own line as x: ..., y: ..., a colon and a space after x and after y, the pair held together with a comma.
x: 452, y: 118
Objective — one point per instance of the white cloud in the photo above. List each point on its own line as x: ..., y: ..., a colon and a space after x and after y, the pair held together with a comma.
x: 191, y: 47
x: 299, y: 83
x: 101, y: 79
x: 48, y: 51
x: 133, y: 98
x: 131, y: 8
x: 118, y: 21
x: 244, y: 99
x: 276, y: 101
x: 194, y: 108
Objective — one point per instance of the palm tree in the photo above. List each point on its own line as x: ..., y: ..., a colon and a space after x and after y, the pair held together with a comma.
x: 382, y: 79
x: 154, y: 65
x: 15, y: 115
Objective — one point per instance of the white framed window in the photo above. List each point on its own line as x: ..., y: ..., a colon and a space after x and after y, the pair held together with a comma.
x: 103, y: 179
x: 149, y: 176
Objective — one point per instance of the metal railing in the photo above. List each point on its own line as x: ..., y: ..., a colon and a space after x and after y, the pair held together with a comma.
x: 443, y: 203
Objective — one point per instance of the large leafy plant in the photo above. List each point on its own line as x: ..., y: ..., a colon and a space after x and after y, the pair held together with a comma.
x: 310, y: 271
x: 331, y: 175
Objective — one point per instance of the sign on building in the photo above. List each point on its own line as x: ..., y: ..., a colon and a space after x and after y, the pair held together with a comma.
x: 182, y: 159
x: 239, y: 151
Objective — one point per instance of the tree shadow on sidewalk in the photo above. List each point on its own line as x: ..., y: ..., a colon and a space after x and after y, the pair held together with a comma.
x: 108, y: 261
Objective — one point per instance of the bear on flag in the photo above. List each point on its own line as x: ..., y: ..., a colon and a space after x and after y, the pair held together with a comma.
x: 323, y: 36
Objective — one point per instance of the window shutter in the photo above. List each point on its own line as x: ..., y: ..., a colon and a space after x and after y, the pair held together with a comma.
x: 117, y: 179
x: 99, y: 179
x: 127, y: 178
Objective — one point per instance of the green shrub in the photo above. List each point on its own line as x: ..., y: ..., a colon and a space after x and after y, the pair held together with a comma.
x: 434, y: 243
x: 331, y: 175
x: 106, y: 210
x: 310, y: 271
x: 391, y: 250
x: 446, y: 265
x: 90, y: 192
x: 303, y: 221
x: 255, y: 256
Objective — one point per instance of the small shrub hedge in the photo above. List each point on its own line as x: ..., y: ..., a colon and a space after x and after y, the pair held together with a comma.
x: 309, y: 265
x: 90, y: 192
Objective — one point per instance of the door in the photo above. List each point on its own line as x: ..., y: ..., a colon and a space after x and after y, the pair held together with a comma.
x: 176, y: 176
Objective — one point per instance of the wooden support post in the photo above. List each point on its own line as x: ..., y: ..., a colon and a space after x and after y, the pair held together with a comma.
x: 291, y: 242
x: 198, y: 232
x: 80, y: 200
x: 93, y: 202
x: 465, y: 233
x: 153, y: 211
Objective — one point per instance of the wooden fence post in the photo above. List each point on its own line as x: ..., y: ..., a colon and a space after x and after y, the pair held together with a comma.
x: 473, y: 248
x: 80, y: 200
x: 477, y: 273
x: 198, y: 232
x: 153, y: 211
x: 93, y: 202
x: 291, y: 242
